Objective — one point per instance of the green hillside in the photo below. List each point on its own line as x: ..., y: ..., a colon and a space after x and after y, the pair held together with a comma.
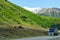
x: 12, y: 15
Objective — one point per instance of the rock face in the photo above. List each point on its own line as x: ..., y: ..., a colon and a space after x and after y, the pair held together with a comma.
x: 52, y: 12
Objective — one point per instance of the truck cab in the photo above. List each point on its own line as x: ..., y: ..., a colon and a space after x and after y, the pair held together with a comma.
x: 53, y: 32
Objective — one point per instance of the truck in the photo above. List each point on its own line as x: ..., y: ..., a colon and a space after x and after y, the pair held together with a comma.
x: 53, y: 32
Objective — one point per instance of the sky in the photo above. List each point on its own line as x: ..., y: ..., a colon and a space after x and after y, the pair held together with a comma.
x: 37, y: 3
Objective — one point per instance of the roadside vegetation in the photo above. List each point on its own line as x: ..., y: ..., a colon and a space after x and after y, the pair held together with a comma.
x: 21, y: 33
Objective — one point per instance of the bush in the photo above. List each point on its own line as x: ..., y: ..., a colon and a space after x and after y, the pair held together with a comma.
x: 24, y: 17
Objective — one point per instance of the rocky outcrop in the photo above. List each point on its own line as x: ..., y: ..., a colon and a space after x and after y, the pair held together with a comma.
x: 52, y: 12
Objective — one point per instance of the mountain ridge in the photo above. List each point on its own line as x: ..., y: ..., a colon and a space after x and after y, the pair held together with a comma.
x: 52, y: 12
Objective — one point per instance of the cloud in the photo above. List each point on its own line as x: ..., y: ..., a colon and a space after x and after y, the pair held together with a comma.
x: 30, y: 9
x: 35, y: 10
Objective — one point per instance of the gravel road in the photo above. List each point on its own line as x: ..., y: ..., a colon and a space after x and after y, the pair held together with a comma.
x: 41, y: 38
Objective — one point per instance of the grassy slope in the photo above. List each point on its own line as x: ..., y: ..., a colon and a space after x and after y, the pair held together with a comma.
x: 13, y: 15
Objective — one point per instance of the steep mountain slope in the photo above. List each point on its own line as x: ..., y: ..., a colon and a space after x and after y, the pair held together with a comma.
x: 13, y: 15
x: 52, y: 12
